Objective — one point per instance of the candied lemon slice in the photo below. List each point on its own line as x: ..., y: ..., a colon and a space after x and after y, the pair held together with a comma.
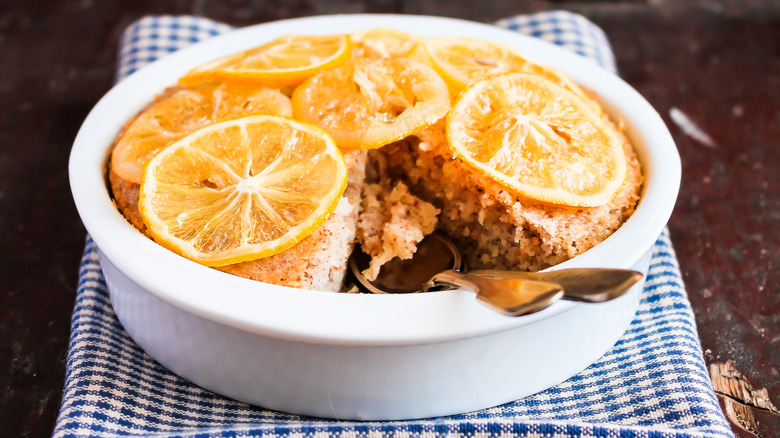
x: 285, y: 61
x: 382, y: 43
x: 242, y: 189
x: 182, y: 111
x: 539, y: 140
x: 368, y: 104
x: 464, y: 61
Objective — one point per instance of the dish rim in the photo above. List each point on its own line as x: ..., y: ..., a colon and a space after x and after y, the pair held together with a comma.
x: 338, y: 318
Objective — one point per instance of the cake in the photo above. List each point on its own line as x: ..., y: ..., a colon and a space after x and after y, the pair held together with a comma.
x: 406, y: 189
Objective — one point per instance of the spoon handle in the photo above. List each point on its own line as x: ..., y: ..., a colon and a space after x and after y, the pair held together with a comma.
x: 510, y: 295
x: 520, y: 293
x: 590, y: 285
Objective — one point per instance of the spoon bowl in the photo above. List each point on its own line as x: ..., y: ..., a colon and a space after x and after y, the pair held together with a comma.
x: 436, y: 253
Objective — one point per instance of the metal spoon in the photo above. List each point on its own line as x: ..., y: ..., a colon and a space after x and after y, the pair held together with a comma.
x: 437, y: 264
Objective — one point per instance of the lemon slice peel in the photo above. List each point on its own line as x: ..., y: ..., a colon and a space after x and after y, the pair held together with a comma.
x: 285, y: 61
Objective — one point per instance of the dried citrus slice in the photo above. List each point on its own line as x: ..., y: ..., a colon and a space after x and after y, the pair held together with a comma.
x: 287, y: 60
x: 539, y: 140
x: 368, y: 104
x: 242, y: 189
x: 464, y: 61
x: 382, y: 43
x: 183, y: 110
x: 418, y: 53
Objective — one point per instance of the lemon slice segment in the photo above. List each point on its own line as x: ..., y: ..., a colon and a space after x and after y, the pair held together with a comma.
x: 539, y: 140
x: 182, y: 111
x: 382, y: 43
x: 465, y: 61
x: 242, y: 189
x: 285, y: 61
x: 368, y: 104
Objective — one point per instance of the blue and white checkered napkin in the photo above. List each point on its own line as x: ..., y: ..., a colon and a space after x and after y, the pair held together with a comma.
x: 653, y: 383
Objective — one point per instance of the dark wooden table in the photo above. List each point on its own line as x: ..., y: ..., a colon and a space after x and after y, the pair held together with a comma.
x: 716, y: 62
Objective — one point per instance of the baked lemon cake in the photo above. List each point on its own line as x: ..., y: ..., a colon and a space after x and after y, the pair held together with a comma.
x: 272, y: 163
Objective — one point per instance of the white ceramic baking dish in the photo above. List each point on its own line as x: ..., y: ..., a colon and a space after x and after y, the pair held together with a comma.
x: 358, y: 356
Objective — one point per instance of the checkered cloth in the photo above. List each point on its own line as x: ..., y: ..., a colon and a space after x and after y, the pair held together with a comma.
x: 653, y: 383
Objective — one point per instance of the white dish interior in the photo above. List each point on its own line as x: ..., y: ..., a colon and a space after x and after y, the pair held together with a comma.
x: 395, y: 324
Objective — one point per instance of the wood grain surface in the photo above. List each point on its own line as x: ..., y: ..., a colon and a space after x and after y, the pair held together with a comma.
x: 713, y: 64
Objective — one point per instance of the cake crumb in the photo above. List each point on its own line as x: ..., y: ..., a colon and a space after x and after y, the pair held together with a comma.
x: 391, y: 224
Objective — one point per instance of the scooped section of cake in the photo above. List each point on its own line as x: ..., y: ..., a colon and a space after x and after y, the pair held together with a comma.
x: 391, y: 223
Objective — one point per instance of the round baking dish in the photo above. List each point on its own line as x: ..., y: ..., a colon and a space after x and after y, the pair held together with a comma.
x: 356, y: 356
